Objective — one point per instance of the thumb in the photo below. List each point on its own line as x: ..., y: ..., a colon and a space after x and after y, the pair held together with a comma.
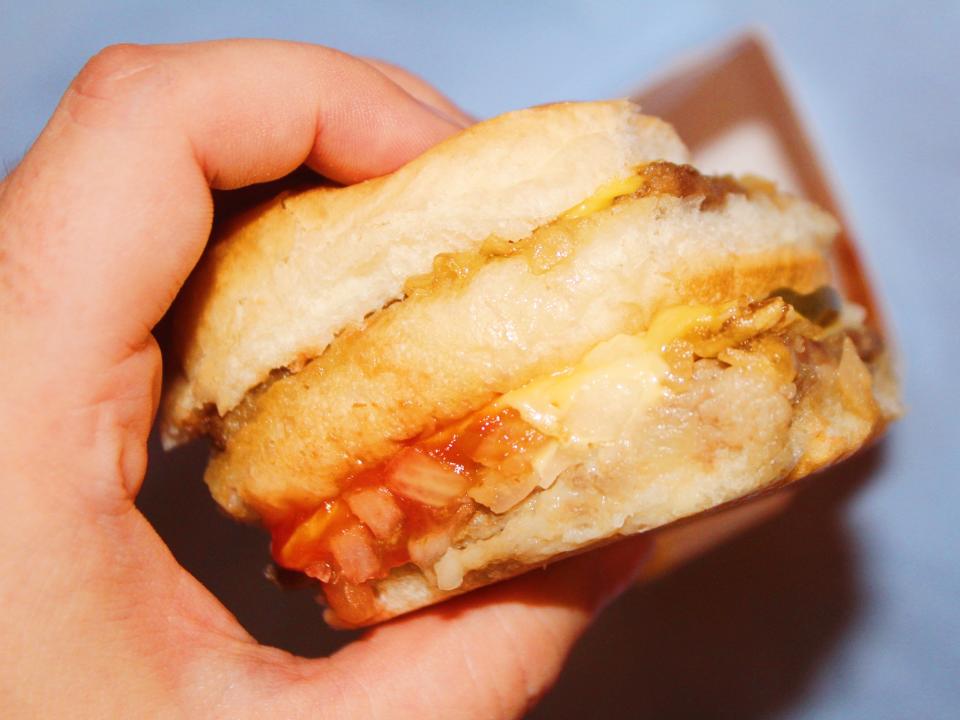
x: 489, y: 654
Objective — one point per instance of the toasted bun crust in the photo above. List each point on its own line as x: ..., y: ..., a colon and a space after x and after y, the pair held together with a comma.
x: 281, y: 283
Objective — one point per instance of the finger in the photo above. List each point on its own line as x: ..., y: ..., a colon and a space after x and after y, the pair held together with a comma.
x: 110, y: 209
x: 423, y: 91
x: 490, y: 654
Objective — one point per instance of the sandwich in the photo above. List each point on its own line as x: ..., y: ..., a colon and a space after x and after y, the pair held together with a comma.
x: 543, y: 334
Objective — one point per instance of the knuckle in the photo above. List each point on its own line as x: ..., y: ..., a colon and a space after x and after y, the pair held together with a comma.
x: 103, y: 74
x: 117, y: 83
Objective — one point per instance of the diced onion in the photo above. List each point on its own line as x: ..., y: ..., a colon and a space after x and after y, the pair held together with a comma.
x: 417, y: 476
x: 550, y: 463
x: 507, y: 443
x: 376, y: 509
x: 501, y: 492
x: 449, y: 572
x: 427, y: 549
x: 353, y: 549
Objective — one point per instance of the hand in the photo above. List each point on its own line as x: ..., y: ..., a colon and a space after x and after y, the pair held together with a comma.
x: 99, y: 227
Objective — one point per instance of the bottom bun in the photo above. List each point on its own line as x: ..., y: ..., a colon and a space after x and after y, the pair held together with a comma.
x: 739, y: 427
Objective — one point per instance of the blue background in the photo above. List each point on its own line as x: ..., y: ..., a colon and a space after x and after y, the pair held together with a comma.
x: 848, y: 605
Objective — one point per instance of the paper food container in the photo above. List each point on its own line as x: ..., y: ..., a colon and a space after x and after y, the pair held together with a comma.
x: 732, y: 109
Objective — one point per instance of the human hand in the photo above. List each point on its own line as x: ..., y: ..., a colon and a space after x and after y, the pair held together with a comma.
x: 99, y: 227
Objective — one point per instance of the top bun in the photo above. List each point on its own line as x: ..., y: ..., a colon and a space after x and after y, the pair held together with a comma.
x: 281, y: 282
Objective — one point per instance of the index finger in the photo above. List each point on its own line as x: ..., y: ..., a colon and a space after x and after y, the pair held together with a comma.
x: 110, y: 209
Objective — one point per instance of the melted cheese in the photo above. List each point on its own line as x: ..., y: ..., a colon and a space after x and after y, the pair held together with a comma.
x: 591, y: 402
x: 604, y: 197
x: 587, y: 403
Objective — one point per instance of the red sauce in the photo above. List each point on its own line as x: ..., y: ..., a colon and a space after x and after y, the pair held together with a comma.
x: 302, y: 536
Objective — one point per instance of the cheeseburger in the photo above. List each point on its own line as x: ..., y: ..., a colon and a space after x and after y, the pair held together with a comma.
x: 543, y: 334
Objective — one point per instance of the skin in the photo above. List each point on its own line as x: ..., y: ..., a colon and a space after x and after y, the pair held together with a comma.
x: 99, y: 226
